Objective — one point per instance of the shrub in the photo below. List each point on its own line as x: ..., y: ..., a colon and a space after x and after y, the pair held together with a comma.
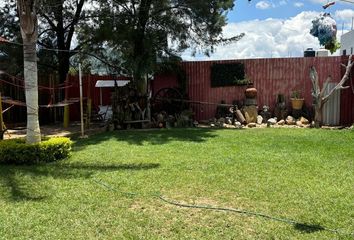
x: 18, y: 152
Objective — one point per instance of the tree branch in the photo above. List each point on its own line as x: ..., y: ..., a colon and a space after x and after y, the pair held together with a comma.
x: 50, y: 22
x: 75, y: 20
x: 343, y: 80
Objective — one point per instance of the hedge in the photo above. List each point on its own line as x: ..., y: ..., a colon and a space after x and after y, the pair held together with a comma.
x: 16, y: 151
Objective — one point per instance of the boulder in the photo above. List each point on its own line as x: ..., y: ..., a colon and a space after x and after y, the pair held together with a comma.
x: 304, y: 121
x: 299, y: 123
x: 281, y: 122
x: 272, y: 121
x: 290, y: 120
x: 259, y: 119
x: 238, y: 125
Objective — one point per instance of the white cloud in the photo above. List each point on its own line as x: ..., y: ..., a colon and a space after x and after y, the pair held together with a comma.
x: 298, y: 4
x: 283, y: 2
x: 263, y: 5
x: 344, y: 14
x: 270, y: 38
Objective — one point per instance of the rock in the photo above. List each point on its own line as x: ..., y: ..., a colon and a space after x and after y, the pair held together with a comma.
x: 299, y: 124
x: 304, y: 121
x: 228, y: 120
x: 259, y: 119
x: 290, y: 120
x: 224, y: 125
x: 195, y: 123
x: 212, y: 125
x: 272, y: 121
x: 281, y: 122
x: 221, y: 121
x: 252, y: 125
x: 238, y: 125
x: 229, y: 126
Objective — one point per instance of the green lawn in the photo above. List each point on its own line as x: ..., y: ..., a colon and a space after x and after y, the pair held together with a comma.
x: 108, y: 188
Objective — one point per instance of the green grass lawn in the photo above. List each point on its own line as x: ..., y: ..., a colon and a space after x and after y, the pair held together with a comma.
x: 108, y: 188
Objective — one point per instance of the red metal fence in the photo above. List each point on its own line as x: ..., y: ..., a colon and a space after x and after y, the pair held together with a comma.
x: 89, y: 91
x: 270, y: 76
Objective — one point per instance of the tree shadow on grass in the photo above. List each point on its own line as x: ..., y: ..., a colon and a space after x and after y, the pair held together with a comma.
x: 154, y: 136
x: 29, y: 183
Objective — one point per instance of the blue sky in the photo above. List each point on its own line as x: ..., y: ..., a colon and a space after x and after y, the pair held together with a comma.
x: 276, y: 28
x: 245, y: 10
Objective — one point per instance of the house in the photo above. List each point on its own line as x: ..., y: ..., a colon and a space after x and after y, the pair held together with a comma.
x: 347, y: 43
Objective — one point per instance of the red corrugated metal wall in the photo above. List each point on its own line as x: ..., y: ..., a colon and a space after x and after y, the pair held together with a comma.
x: 347, y: 99
x: 270, y: 76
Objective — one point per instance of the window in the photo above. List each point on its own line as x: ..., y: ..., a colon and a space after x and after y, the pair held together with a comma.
x: 229, y: 74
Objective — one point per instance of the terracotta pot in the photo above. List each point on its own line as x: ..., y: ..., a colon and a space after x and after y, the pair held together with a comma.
x: 251, y: 92
x: 297, y: 103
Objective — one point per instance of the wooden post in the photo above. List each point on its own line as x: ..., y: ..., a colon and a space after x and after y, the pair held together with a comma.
x: 89, y: 101
x: 66, y: 117
x: 81, y: 104
x: 66, y: 108
x: 1, y: 119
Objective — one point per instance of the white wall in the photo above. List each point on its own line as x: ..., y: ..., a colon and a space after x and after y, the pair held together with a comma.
x: 347, y: 43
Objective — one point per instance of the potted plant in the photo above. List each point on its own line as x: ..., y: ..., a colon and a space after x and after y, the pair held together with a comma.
x: 297, y: 101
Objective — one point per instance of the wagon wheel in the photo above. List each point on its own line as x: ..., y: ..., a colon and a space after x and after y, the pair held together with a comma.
x: 168, y: 100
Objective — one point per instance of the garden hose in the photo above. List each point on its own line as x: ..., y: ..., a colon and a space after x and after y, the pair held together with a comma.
x: 246, y: 212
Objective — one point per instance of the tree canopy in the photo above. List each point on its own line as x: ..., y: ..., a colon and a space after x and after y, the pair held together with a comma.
x: 144, y: 32
x: 132, y: 35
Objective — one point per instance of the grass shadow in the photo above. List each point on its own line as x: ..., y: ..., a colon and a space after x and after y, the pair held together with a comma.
x: 28, y: 183
x: 151, y: 136
x: 308, y: 228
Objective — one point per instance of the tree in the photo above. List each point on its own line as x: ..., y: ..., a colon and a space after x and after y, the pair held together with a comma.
x: 29, y: 28
x: 145, y: 31
x: 11, y: 56
x: 58, y: 22
x: 320, y: 98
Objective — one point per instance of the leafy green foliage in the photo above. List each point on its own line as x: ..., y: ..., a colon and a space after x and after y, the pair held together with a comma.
x: 16, y: 151
x: 229, y: 74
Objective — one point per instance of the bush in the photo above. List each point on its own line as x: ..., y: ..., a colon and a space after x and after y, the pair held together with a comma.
x: 18, y: 152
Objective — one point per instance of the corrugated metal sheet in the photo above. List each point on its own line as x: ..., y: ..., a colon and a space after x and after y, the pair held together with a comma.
x: 347, y: 100
x: 331, y: 110
x: 270, y: 77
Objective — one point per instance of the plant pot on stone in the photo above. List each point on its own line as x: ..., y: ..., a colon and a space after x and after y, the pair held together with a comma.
x: 297, y: 101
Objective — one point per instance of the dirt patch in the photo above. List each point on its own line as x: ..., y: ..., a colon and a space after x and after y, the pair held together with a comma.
x: 56, y: 130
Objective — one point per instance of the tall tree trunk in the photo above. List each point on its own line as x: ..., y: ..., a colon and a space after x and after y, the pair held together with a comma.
x: 140, y: 53
x: 29, y: 27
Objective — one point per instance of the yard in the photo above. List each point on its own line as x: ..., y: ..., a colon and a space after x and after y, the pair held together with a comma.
x: 110, y: 187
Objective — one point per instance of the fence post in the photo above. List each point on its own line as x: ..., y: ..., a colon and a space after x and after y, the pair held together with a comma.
x: 1, y: 119
x: 66, y: 107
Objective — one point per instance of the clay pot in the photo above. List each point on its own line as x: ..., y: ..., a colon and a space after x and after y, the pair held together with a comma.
x: 251, y: 92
